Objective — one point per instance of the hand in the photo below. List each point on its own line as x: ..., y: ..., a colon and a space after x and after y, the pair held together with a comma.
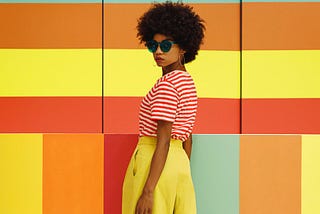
x: 145, y: 203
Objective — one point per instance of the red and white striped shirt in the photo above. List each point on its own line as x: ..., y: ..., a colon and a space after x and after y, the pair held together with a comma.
x: 173, y: 98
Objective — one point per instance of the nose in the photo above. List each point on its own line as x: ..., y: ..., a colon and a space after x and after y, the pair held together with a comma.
x: 158, y: 51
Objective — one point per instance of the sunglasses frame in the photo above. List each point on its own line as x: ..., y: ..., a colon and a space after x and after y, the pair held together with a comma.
x: 161, y: 45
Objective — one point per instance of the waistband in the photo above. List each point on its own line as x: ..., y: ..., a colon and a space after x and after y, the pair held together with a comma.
x: 146, y: 140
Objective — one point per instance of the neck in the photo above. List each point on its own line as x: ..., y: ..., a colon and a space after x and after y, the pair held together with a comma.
x: 172, y: 67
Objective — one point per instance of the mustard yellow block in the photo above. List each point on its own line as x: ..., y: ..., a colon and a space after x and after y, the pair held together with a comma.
x: 281, y: 74
x: 133, y: 73
x: 310, y: 186
x: 50, y: 72
x: 21, y: 173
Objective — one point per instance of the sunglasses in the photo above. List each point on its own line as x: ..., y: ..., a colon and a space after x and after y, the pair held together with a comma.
x: 165, y: 45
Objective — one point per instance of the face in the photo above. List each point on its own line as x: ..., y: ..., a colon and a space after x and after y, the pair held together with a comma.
x: 163, y: 58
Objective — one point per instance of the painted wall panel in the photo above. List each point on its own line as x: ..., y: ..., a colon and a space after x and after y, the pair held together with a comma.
x: 137, y: 75
x: 51, y: 114
x: 270, y: 174
x: 310, y: 185
x: 280, y: 116
x: 222, y: 23
x: 50, y: 25
x: 213, y: 116
x: 215, y: 172
x: 281, y: 26
x: 73, y: 173
x: 21, y: 173
x: 50, y: 72
x: 281, y: 74
x: 118, y: 151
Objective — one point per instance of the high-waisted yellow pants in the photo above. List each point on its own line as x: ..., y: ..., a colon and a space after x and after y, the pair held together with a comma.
x: 174, y: 192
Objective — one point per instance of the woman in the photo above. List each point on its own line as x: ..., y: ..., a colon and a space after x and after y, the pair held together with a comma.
x: 158, y: 178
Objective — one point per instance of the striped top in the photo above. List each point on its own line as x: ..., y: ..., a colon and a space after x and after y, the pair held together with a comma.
x: 173, y: 98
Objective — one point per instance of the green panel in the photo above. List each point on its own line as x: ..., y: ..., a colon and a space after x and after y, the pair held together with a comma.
x: 215, y: 172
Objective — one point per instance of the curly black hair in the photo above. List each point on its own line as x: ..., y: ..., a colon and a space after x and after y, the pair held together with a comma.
x: 176, y: 20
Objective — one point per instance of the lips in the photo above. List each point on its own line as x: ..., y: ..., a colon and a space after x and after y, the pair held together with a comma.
x: 158, y: 59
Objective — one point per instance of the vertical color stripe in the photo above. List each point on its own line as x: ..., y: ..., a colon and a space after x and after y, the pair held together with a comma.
x: 118, y: 150
x: 21, y: 173
x: 73, y: 174
x: 270, y: 174
x: 215, y: 172
x: 310, y: 188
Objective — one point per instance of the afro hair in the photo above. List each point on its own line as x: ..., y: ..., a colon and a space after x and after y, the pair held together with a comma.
x: 175, y: 20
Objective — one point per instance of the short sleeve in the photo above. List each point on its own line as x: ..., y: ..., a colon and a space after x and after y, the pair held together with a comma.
x: 165, y: 102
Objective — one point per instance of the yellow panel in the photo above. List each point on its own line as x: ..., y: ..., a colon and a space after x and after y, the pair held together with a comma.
x: 133, y: 73
x: 21, y: 173
x: 310, y: 186
x: 54, y: 72
x: 281, y: 74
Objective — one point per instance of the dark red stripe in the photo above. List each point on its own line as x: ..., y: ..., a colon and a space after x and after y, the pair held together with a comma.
x: 50, y: 114
x: 281, y: 116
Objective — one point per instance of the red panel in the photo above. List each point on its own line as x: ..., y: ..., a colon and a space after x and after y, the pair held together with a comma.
x: 214, y: 115
x: 51, y: 114
x: 118, y: 151
x: 218, y: 116
x: 281, y: 116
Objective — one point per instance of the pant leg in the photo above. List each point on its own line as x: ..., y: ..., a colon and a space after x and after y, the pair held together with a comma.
x: 185, y: 202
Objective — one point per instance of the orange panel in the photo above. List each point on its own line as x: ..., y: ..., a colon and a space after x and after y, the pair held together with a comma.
x: 222, y: 24
x: 270, y: 174
x: 50, y: 25
x: 73, y: 173
x: 281, y: 26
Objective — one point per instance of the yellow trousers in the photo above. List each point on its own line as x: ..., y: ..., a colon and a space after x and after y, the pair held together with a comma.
x: 174, y: 192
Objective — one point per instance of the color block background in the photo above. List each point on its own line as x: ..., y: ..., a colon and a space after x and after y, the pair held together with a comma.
x: 70, y: 89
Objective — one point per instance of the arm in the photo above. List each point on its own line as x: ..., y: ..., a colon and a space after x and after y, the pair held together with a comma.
x: 187, y: 146
x: 159, y: 158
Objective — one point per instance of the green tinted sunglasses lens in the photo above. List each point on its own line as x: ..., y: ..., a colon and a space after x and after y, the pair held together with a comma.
x: 165, y: 45
x: 152, y: 46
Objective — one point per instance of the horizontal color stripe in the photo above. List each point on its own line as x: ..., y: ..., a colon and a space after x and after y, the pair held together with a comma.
x: 310, y: 176
x: 113, y: 1
x: 50, y: 1
x: 281, y: 74
x: 281, y: 116
x: 50, y: 25
x: 50, y: 72
x: 214, y: 116
x: 281, y: 0
x: 216, y: 73
x: 51, y: 114
x: 20, y: 173
x: 222, y: 24
x: 281, y: 26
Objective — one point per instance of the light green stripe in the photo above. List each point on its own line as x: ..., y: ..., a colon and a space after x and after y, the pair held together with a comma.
x: 215, y: 172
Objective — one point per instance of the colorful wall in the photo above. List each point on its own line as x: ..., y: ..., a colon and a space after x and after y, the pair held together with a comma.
x: 68, y: 68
